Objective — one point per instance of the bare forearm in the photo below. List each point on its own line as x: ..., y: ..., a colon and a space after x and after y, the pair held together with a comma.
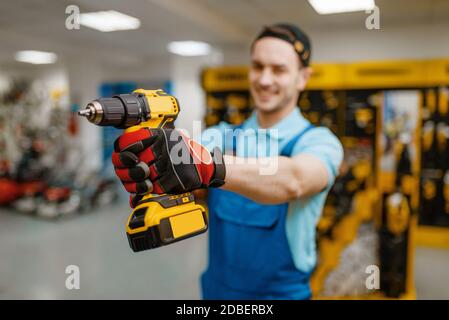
x: 256, y: 179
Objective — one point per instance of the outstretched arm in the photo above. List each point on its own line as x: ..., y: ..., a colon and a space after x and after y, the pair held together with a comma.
x: 297, y: 177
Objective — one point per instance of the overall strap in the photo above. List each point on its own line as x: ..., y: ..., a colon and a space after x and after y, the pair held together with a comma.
x: 288, y: 149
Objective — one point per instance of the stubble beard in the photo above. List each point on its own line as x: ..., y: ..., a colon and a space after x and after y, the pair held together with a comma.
x: 283, y: 104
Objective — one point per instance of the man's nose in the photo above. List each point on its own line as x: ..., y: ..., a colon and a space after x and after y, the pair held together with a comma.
x: 266, y: 77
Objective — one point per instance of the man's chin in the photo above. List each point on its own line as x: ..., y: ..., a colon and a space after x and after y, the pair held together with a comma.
x: 266, y: 108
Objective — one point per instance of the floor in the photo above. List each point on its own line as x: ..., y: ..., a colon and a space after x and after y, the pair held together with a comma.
x: 35, y: 254
x: 432, y: 273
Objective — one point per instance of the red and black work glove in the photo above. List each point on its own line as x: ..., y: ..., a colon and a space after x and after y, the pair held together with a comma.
x: 165, y: 161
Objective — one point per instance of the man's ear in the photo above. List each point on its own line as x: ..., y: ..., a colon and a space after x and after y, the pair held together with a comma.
x: 304, y: 76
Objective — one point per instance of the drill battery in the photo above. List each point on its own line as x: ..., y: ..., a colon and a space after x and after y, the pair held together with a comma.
x: 162, y: 220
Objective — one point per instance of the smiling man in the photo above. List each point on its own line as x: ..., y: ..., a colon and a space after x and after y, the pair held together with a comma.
x: 262, y: 226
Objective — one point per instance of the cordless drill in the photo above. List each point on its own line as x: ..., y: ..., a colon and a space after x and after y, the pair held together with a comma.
x: 157, y: 220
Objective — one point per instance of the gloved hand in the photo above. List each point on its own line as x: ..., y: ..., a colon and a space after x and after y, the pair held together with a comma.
x: 165, y: 161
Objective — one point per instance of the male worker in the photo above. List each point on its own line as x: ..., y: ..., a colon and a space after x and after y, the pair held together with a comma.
x: 262, y: 226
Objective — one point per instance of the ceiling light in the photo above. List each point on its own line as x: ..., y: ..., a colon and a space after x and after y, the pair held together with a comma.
x: 107, y: 21
x: 340, y: 6
x: 36, y: 57
x: 189, y: 48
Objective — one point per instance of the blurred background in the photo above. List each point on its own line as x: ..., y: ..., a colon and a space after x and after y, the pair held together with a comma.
x: 380, y: 83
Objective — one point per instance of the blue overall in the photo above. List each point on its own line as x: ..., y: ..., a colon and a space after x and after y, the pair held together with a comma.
x: 249, y: 254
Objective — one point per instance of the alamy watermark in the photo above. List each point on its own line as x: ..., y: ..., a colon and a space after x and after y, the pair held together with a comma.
x: 372, y: 282
x: 72, y: 21
x: 372, y: 22
x: 72, y: 281
x: 250, y: 146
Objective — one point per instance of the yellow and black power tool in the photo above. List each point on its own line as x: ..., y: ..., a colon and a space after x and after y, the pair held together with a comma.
x: 157, y: 220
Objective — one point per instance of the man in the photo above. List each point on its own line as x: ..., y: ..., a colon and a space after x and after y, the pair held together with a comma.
x: 262, y: 226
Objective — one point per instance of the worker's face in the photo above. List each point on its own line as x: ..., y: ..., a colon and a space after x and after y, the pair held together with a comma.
x: 276, y: 76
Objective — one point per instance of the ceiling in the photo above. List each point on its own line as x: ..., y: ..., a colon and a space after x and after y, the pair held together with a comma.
x: 40, y: 25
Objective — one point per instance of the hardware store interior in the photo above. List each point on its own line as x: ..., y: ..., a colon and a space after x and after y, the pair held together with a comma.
x: 379, y: 82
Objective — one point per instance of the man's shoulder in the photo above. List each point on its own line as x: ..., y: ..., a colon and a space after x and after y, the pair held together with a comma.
x: 324, y: 144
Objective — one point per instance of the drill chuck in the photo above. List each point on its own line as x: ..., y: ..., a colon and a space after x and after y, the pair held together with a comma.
x: 121, y: 111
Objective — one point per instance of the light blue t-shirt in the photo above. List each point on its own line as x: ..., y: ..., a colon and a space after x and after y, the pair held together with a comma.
x: 303, y: 214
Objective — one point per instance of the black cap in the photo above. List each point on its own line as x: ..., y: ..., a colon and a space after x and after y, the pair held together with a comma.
x: 293, y: 35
